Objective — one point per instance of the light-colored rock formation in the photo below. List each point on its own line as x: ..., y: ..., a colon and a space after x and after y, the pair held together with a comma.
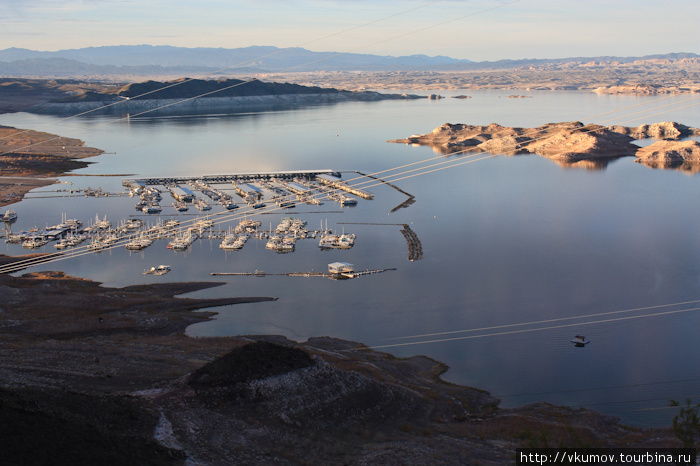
x: 586, y: 143
x: 664, y: 130
x: 683, y: 155
x: 568, y: 142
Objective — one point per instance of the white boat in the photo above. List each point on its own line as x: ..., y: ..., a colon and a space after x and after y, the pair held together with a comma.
x: 580, y: 340
x: 180, y: 206
x: 75, y: 240
x: 182, y: 243
x: 202, y: 205
x: 346, y: 241
x: 151, y: 209
x: 33, y: 242
x: 63, y: 244
x: 229, y: 242
x: 138, y: 244
x: 102, y: 224
x: 134, y: 223
x: 9, y: 216
x: 328, y: 241
x: 158, y: 270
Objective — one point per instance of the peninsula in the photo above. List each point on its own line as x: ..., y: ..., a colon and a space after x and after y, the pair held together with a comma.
x: 29, y: 159
x: 197, y: 96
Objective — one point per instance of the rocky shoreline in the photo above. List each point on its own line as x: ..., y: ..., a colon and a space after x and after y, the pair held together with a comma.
x: 99, y: 371
x: 30, y: 159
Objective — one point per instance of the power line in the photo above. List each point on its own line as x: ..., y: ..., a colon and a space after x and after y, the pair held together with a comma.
x: 551, y: 327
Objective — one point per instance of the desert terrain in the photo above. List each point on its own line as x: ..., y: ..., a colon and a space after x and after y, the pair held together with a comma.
x: 108, y: 376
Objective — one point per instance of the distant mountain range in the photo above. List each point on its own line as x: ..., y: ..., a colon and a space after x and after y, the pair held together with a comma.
x: 148, y: 59
x: 163, y: 60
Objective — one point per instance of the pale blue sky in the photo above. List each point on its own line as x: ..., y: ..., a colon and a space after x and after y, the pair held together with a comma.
x: 457, y: 28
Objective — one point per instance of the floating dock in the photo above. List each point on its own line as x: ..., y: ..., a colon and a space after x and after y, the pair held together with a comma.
x: 237, y: 177
x: 333, y: 276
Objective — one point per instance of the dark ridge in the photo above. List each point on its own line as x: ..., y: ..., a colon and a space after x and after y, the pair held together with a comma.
x: 188, y: 88
x: 65, y: 428
x: 254, y: 361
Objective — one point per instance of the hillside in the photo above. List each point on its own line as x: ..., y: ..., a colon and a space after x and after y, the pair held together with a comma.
x: 108, y: 376
x: 65, y: 97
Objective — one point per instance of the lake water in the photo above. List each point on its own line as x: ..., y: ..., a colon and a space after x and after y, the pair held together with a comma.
x: 506, y: 241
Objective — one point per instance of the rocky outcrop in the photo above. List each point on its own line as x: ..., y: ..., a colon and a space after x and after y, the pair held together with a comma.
x: 588, y: 143
x: 683, y: 155
x: 571, y: 141
x: 664, y: 130
x: 568, y: 143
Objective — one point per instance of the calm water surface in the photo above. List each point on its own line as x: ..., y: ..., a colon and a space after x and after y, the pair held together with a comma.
x: 506, y: 241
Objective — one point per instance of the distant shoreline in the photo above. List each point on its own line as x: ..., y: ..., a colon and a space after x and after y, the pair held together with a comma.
x: 202, y: 105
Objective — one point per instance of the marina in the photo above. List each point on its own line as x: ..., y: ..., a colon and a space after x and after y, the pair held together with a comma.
x: 282, y: 190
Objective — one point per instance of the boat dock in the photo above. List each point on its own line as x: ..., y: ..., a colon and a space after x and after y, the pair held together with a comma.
x: 258, y: 273
x: 415, y: 247
x: 233, y: 178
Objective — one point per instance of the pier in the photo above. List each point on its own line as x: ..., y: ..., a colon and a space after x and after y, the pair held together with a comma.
x: 233, y: 178
x: 333, y: 276
x: 415, y: 247
x: 335, y: 182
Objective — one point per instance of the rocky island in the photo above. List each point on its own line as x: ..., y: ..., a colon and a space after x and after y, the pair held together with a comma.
x: 568, y: 143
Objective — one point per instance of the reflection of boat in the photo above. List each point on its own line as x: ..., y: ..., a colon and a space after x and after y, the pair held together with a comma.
x: 10, y: 216
x: 158, y: 270
x: 580, y: 340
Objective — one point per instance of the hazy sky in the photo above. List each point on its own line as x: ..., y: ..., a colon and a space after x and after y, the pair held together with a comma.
x: 473, y: 29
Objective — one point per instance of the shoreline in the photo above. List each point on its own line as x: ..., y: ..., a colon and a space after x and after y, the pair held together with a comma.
x: 31, y: 159
x: 321, y: 400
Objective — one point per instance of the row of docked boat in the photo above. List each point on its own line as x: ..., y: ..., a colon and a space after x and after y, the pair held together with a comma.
x: 331, y: 241
x: 70, y: 241
x: 234, y: 242
x: 189, y: 236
